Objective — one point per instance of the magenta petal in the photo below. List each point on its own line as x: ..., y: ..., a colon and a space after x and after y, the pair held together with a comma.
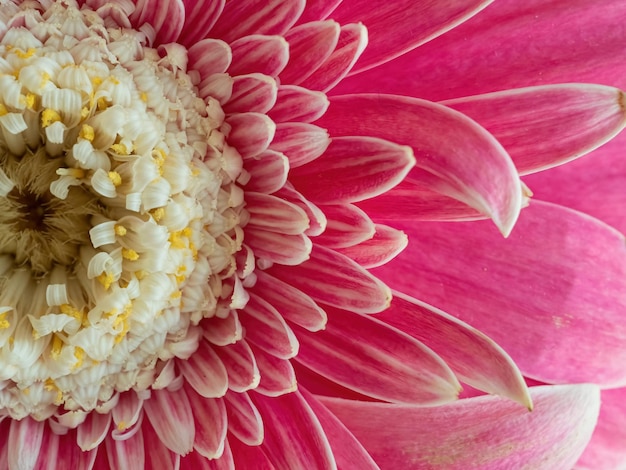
x: 276, y: 214
x: 24, y: 443
x: 385, y: 245
x: 259, y: 54
x: 92, y: 431
x: 558, y: 266
x: 347, y: 226
x: 485, y: 432
x: 210, y: 56
x: 376, y: 360
x: 298, y: 104
x: 70, y: 456
x: 199, y: 20
x: 296, y: 440
x: 167, y: 18
x: 455, y: 156
x: 281, y: 248
x: 251, y: 133
x: 210, y: 422
x: 243, y: 373
x: 300, y: 142
x: 256, y: 17
x: 268, y: 172
x: 205, y: 372
x: 317, y: 219
x: 158, y: 456
x: 336, y: 280
x: 254, y: 93
x: 277, y: 375
x: 126, y: 453
x: 318, y: 10
x: 541, y: 127
x: 348, y: 451
x: 171, y: 417
x: 246, y: 456
x: 221, y: 331
x: 473, y: 357
x: 244, y: 420
x: 397, y: 27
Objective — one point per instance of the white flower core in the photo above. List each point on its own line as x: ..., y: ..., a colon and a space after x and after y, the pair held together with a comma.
x: 119, y: 215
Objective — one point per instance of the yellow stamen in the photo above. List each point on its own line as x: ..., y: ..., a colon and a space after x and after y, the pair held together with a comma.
x: 129, y: 254
x: 25, y: 55
x: 57, y: 346
x: 79, y: 354
x: 120, y: 230
x: 48, y: 116
x: 158, y: 213
x: 4, y: 323
x: 106, y: 280
x: 87, y: 132
x: 115, y: 178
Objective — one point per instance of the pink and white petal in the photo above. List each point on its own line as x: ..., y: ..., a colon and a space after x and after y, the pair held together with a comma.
x: 255, y: 93
x: 200, y: 18
x: 398, y: 27
x: 607, y: 449
x: 317, y: 10
x: 210, y: 56
x: 243, y: 373
x: 195, y: 461
x: 266, y: 328
x: 256, y: 17
x: 218, y: 86
x: 352, y: 42
x: 558, y: 266
x: 474, y: 357
x: 246, y: 456
x: 251, y: 133
x: 205, y: 372
x: 376, y: 360
x: 295, y: 103
x: 210, y: 421
x: 385, y: 245
x: 259, y: 54
x: 126, y: 453
x: 158, y: 455
x: 455, y: 156
x: 310, y: 45
x: 299, y: 441
x: 348, y: 451
x: 275, y: 214
x: 127, y: 411
x: 171, y: 416
x: 91, y: 433
x: 593, y: 185
x: 292, y: 304
x: 244, y: 420
x: 336, y: 280
x: 347, y: 226
x: 70, y: 455
x: 277, y: 375
x: 222, y: 331
x: 289, y: 250
x: 483, y: 432
x: 545, y: 126
x: 317, y: 219
x: 365, y: 166
x: 167, y: 18
x: 268, y: 172
x: 24, y: 442
x: 510, y: 44
x: 49, y: 452
x: 300, y: 142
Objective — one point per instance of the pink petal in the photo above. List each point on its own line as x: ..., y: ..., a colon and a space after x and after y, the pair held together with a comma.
x: 49, y: 452
x: 310, y: 45
x: 251, y: 133
x: 397, y: 27
x: 385, y: 245
x: 209, y: 56
x: 244, y: 420
x: 484, y: 432
x: 275, y: 214
x: 510, y: 44
x: 347, y: 226
x: 246, y: 456
x: 127, y: 411
x: 300, y: 142
x: 158, y: 455
x: 205, y: 372
x: 126, y: 453
x: 352, y: 169
x: 24, y: 443
x: 295, y: 103
x: 256, y: 17
x: 254, y: 93
x: 541, y: 127
x: 268, y: 172
x: 210, y: 421
x: 606, y: 449
x: 243, y: 373
x: 290, y: 250
x: 166, y: 18
x: 336, y: 280
x: 352, y: 42
x: 455, y: 156
x: 222, y: 331
x: 474, y: 357
x: 171, y: 417
x: 558, y: 266
x: 297, y: 439
x: 259, y: 54
x: 317, y: 219
x: 92, y: 431
x: 266, y: 329
x: 318, y: 10
x: 200, y: 18
x: 277, y: 375
x: 292, y: 304
x: 70, y: 455
x: 376, y: 360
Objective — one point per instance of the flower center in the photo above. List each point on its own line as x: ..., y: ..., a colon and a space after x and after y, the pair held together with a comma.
x: 119, y: 215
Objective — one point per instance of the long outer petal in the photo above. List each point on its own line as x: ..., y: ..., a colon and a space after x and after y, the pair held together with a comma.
x: 171, y: 417
x: 542, y: 283
x: 376, y: 360
x: 541, y: 127
x: 455, y: 156
x: 487, y: 433
x: 24, y: 443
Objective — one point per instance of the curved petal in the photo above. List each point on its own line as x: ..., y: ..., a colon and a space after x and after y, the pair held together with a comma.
x: 171, y: 417
x: 542, y: 283
x: 347, y: 226
x: 397, y: 27
x: 24, y: 442
x: 510, y: 44
x: 167, y: 18
x: 199, y: 20
x: 541, y: 127
x: 385, y: 245
x: 376, y: 360
x: 455, y: 156
x: 485, y: 432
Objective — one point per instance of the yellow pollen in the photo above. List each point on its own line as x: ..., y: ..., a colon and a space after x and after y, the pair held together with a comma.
x: 194, y: 250
x: 102, y: 104
x: 140, y: 274
x: 79, y: 354
x: 120, y: 230
x: 3, y: 110
x: 106, y: 280
x: 84, y: 112
x: 176, y: 295
x: 120, y: 149
x: 4, y: 323
x: 114, y: 80
x: 48, y: 116
x: 26, y: 391
x: 45, y: 78
x: 121, y: 426
x: 96, y: 81
x: 129, y: 254
x: 49, y: 384
x: 30, y: 100
x: 158, y: 213
x: 143, y: 97
x: 25, y: 55
x: 71, y: 311
x: 87, y: 132
x: 75, y: 172
x: 176, y: 240
x: 57, y: 346
x: 115, y: 178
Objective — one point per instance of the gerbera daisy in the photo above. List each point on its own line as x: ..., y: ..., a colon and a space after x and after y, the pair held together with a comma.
x: 183, y: 213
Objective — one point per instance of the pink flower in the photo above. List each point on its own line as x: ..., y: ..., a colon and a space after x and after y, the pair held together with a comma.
x: 194, y: 195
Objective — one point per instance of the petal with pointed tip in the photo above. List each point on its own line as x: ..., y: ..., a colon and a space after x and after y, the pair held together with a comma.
x: 210, y: 422
x: 385, y: 245
x: 300, y: 142
x: 244, y: 420
x: 347, y: 226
